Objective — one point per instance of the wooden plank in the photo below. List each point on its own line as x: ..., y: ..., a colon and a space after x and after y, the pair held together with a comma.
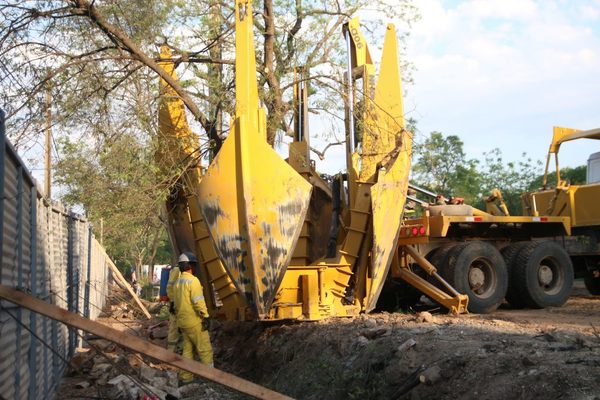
x: 138, y: 345
x: 117, y: 274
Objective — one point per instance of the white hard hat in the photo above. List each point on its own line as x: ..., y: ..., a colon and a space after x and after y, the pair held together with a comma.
x: 187, y: 256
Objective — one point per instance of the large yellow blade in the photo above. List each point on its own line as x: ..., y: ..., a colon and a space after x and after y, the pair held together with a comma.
x: 246, y: 91
x: 394, y: 143
x: 176, y: 138
x: 254, y: 203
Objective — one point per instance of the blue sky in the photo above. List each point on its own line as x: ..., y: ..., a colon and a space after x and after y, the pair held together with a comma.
x: 501, y: 73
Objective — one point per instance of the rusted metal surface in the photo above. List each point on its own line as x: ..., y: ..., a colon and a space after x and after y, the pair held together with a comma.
x: 254, y: 205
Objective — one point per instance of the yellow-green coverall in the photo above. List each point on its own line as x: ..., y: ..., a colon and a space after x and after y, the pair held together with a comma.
x: 173, y: 335
x: 191, y: 310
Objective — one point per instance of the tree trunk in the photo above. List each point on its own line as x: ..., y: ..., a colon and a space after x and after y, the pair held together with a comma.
x: 273, y: 100
x: 215, y: 72
x: 153, y: 250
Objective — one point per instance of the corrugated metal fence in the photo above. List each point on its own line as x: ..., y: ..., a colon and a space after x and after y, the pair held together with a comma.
x: 51, y: 254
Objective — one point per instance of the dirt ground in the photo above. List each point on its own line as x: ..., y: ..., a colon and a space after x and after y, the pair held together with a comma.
x: 509, y: 354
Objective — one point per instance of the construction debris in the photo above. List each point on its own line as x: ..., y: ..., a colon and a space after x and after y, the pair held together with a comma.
x: 120, y: 279
x: 136, y: 344
x: 407, y: 345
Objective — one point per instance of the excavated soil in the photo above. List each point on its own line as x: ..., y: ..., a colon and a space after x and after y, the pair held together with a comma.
x: 509, y: 354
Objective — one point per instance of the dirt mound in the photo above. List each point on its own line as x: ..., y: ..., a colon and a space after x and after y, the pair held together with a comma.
x: 537, y: 354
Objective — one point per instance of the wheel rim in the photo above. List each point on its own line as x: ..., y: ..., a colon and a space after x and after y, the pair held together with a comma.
x: 482, y: 278
x: 550, y: 276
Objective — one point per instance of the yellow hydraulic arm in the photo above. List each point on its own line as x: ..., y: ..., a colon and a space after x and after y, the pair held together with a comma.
x: 179, y: 155
x: 559, y: 136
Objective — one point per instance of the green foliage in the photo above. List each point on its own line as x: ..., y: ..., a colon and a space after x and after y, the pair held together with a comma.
x: 117, y: 185
x: 512, y: 178
x: 442, y: 166
x: 575, y: 176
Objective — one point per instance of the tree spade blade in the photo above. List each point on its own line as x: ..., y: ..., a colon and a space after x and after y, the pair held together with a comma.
x: 394, y: 144
x: 254, y: 204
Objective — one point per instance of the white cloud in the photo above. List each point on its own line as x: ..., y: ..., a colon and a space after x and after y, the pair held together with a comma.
x: 591, y: 13
x: 510, y: 9
x: 501, y: 73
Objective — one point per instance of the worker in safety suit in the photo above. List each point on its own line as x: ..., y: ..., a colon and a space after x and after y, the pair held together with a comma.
x: 173, y: 335
x: 192, y: 314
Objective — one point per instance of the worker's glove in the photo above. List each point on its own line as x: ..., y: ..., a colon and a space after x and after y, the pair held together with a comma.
x: 205, y: 323
x: 172, y: 307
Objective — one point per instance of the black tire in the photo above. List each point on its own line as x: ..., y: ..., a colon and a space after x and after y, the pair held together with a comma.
x: 439, y: 256
x: 478, y: 270
x: 396, y: 295
x: 592, y: 283
x: 543, y: 275
x: 510, y: 253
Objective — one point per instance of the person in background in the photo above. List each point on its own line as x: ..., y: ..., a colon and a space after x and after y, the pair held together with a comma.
x: 134, y: 284
x: 173, y: 334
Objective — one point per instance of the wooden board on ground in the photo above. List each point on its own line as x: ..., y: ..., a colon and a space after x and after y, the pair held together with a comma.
x: 137, y: 344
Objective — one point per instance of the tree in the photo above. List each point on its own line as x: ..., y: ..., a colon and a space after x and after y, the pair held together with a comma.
x: 67, y: 41
x: 442, y: 166
x: 100, y: 60
x: 575, y: 176
x: 512, y: 178
x: 107, y: 183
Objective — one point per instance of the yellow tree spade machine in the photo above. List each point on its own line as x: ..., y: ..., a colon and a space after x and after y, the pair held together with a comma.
x: 275, y: 241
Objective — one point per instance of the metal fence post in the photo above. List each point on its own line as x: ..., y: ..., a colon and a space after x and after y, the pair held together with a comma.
x: 89, y: 272
x: 33, y: 366
x: 71, y: 282
x: 19, y: 279
x: 2, y: 179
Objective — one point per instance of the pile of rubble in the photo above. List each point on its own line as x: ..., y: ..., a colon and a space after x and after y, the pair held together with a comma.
x: 106, y: 370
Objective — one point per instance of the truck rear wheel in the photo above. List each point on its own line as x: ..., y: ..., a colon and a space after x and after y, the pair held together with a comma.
x: 510, y: 253
x: 543, y: 275
x: 478, y: 270
x: 592, y: 283
x: 438, y: 256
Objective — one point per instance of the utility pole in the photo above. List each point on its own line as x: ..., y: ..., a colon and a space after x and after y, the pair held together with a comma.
x: 101, y: 231
x: 48, y: 149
